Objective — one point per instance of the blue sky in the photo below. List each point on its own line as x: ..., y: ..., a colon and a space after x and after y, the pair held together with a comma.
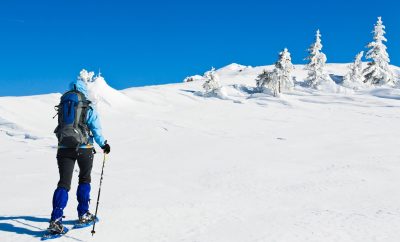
x: 45, y: 43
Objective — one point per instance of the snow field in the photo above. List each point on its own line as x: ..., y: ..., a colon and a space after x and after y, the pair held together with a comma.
x: 309, y: 166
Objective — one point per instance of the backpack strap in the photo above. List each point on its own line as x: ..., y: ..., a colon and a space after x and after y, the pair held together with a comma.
x: 85, y: 109
x: 80, y: 117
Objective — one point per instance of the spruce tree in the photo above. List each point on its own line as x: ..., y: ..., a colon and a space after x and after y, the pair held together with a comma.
x: 378, y: 71
x: 211, y: 85
x: 268, y: 80
x: 317, y: 60
x: 283, y: 69
x: 262, y: 80
x: 354, y: 77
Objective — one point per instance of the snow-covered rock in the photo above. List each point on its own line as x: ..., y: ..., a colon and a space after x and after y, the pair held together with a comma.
x: 194, y: 78
x: 101, y: 93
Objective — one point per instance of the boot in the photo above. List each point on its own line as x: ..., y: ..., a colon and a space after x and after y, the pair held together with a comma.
x: 56, y: 227
x: 86, y: 219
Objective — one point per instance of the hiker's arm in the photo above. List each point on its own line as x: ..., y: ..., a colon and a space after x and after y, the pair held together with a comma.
x: 94, y: 125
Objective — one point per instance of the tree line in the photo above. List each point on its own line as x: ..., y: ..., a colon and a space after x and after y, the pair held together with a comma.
x: 278, y: 80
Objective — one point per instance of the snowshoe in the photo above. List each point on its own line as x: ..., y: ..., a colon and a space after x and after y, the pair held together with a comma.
x: 55, y: 230
x: 86, y: 220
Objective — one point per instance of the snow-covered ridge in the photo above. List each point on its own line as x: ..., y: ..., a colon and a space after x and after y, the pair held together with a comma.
x: 18, y: 120
x: 246, y: 75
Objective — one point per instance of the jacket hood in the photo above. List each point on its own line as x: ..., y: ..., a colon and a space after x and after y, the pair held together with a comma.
x: 80, y: 86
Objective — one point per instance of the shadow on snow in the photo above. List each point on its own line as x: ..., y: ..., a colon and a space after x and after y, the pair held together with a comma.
x: 26, y: 223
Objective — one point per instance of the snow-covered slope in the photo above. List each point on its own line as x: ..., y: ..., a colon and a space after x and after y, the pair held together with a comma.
x: 309, y: 166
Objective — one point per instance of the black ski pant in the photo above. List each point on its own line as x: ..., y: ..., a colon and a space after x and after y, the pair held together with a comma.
x: 66, y: 158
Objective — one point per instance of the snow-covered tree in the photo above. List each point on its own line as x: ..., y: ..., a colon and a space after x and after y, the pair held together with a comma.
x: 268, y: 80
x: 211, y: 85
x: 316, y: 65
x: 378, y: 71
x: 283, y: 69
x: 262, y: 80
x: 86, y: 76
x: 354, y: 78
x: 275, y: 84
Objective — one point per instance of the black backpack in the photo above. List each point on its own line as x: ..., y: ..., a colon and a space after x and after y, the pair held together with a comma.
x: 72, y: 130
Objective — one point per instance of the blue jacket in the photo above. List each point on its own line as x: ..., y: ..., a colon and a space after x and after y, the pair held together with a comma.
x: 92, y: 118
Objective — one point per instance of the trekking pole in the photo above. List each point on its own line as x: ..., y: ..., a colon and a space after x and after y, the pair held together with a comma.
x: 98, y: 195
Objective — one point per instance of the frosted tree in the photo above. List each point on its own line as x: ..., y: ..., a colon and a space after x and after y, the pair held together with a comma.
x: 211, y: 85
x: 316, y: 65
x: 262, y: 80
x: 275, y: 83
x: 378, y: 71
x: 283, y: 70
x: 268, y: 80
x: 354, y: 78
x: 86, y: 76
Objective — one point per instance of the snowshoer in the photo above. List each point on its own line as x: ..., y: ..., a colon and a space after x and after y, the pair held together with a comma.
x: 78, y: 128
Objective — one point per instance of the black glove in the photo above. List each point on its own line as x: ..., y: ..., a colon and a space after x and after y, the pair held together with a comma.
x: 106, y: 148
